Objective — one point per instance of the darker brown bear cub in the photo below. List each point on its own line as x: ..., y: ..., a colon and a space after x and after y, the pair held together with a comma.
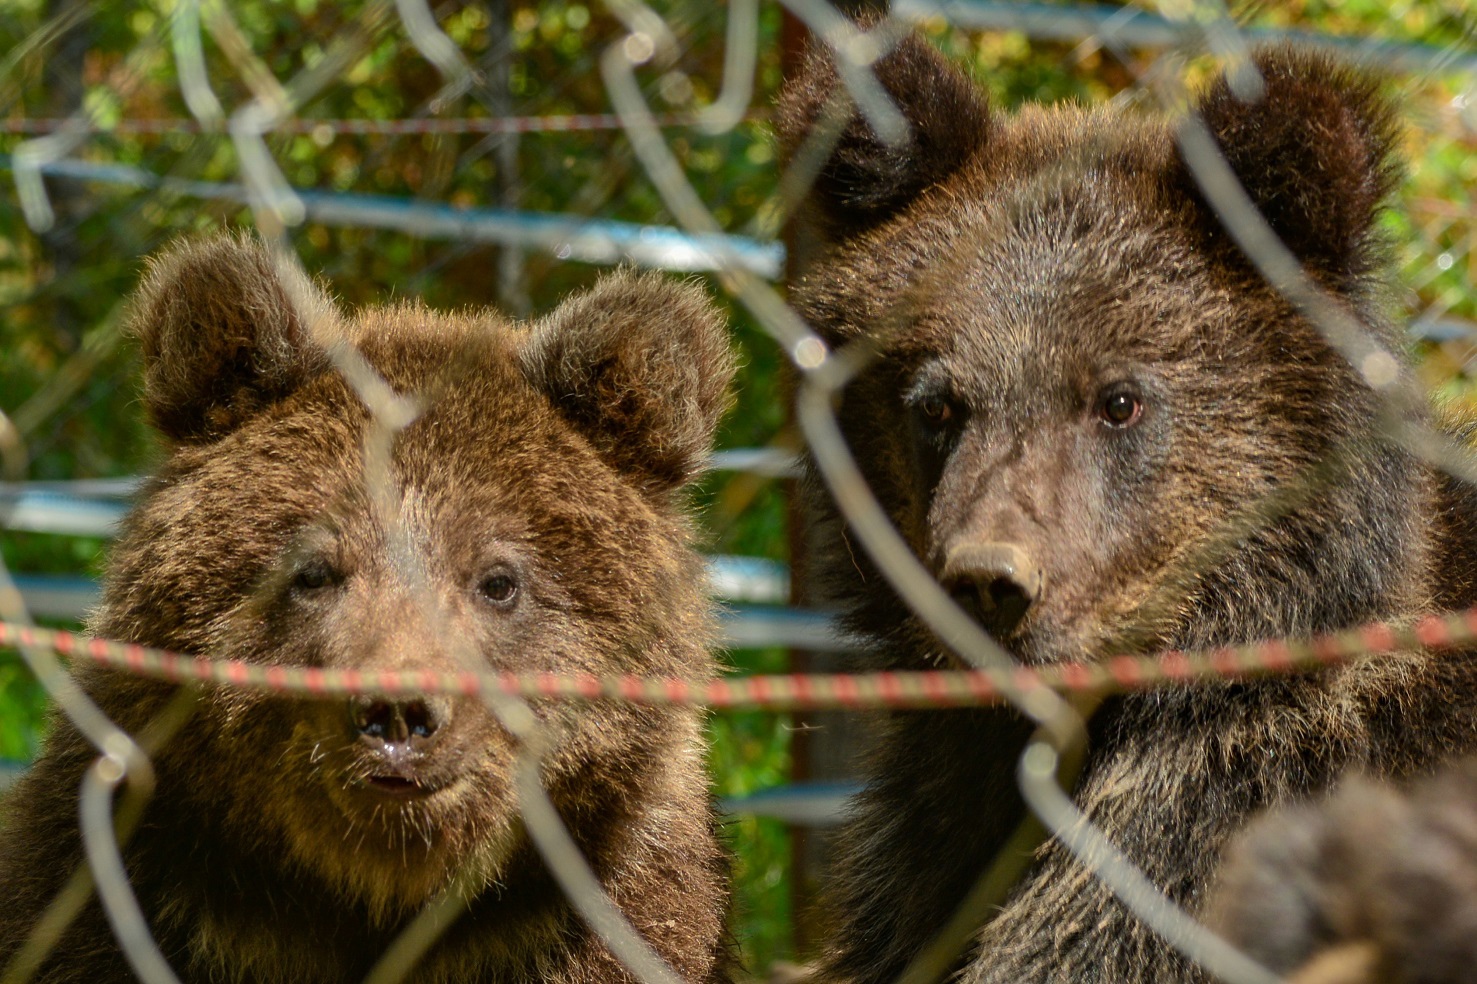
x: 521, y: 509
x: 1104, y: 432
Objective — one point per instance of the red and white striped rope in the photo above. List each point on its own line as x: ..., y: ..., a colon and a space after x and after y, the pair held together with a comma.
x: 578, y: 122
x: 779, y: 692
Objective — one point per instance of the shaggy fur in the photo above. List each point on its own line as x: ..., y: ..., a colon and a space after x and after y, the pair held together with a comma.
x: 530, y: 520
x: 1016, y: 274
x: 1372, y: 885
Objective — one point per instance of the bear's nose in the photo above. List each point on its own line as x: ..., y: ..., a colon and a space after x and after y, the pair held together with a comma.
x: 395, y: 722
x: 994, y: 582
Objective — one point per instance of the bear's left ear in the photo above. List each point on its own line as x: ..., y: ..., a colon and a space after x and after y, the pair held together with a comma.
x: 1315, y: 153
x: 640, y: 365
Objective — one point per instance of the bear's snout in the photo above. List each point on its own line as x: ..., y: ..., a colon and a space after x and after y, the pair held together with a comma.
x: 412, y: 724
x: 378, y: 719
x: 996, y: 583
x: 399, y: 734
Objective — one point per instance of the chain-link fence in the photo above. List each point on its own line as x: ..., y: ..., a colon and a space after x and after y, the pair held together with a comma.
x: 503, y: 155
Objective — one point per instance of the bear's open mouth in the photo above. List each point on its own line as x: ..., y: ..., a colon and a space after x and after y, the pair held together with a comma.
x: 398, y: 786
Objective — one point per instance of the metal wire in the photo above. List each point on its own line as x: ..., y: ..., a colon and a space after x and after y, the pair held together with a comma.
x: 103, y: 856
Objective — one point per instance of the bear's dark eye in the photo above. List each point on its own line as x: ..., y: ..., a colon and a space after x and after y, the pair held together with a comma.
x: 499, y: 588
x: 936, y: 411
x: 315, y: 575
x: 1120, y: 409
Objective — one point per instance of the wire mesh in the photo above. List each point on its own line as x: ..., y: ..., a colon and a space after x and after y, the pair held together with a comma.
x: 124, y: 128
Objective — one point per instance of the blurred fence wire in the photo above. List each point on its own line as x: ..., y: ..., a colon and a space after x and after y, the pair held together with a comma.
x: 389, y: 146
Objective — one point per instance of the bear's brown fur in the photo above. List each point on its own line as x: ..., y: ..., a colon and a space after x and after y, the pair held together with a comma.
x: 1372, y: 886
x: 532, y: 519
x: 1100, y: 427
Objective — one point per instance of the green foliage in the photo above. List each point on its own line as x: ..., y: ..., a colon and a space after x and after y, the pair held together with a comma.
x: 21, y: 703
x: 749, y: 752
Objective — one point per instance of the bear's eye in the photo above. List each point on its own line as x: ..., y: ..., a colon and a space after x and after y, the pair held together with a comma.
x: 937, y: 411
x: 314, y: 576
x: 1120, y: 409
x: 499, y: 588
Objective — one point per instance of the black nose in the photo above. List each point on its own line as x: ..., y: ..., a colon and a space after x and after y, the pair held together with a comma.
x: 395, y: 722
x: 994, y: 582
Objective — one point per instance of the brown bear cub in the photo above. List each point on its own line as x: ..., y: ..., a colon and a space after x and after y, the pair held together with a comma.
x: 1105, y: 433
x: 528, y: 515
x: 1372, y: 885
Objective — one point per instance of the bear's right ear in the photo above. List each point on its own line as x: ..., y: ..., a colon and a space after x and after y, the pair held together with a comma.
x: 640, y: 365
x: 226, y: 330
x: 865, y: 180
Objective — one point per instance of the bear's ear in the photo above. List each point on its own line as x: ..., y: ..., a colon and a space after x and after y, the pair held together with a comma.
x: 225, y: 329
x: 865, y: 180
x: 640, y: 365
x: 1315, y: 154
